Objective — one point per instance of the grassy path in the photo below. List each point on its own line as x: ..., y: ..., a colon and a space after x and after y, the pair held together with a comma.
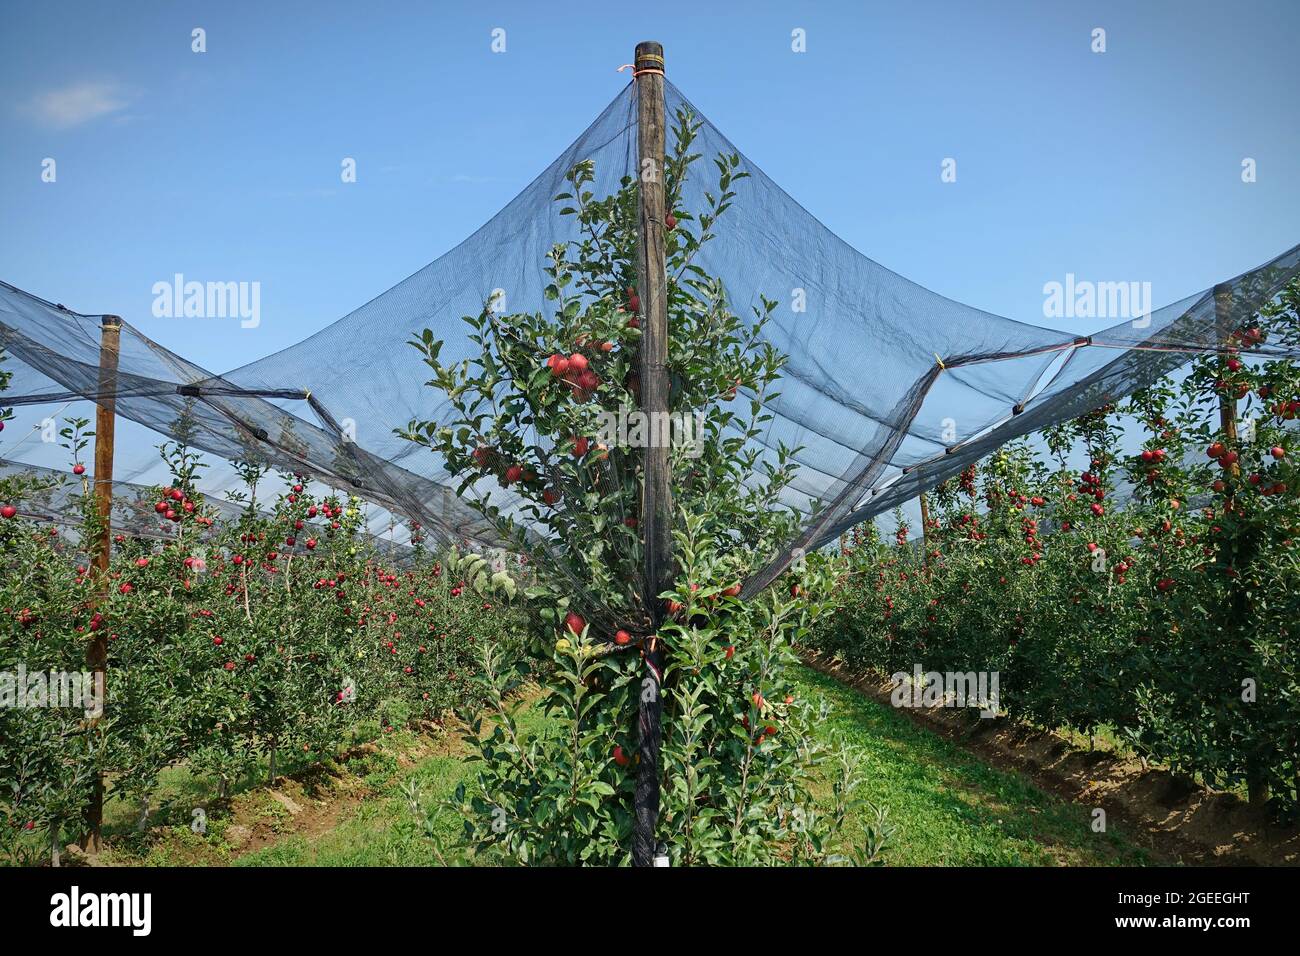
x: 948, y: 808
x: 951, y: 809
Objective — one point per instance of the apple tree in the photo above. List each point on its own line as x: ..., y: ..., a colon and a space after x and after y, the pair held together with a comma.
x: 546, y: 411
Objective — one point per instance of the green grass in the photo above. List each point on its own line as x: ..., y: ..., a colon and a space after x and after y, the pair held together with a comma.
x: 947, y: 807
x: 383, y: 830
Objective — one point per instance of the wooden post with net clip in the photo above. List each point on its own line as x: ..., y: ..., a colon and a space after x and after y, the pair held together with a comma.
x: 101, y: 553
x: 656, y: 495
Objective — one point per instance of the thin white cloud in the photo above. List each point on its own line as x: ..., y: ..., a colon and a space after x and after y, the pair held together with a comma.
x: 78, y: 103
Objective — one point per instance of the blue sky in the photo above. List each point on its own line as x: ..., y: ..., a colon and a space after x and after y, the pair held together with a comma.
x: 225, y: 165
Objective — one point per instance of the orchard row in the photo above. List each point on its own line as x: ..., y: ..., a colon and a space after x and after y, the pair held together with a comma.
x: 1168, y: 620
x: 237, y: 649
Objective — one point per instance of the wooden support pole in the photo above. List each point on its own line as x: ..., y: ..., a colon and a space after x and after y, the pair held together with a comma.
x: 656, y: 499
x: 97, y: 651
x: 1227, y: 402
x: 1241, y: 549
x: 925, y: 529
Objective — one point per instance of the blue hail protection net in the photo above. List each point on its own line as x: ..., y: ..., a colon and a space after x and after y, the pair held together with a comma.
x: 888, y: 389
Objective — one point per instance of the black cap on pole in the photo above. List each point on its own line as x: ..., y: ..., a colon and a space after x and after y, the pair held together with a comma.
x: 649, y: 56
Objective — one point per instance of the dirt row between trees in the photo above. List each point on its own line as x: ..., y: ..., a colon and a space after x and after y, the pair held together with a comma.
x: 1175, y: 819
